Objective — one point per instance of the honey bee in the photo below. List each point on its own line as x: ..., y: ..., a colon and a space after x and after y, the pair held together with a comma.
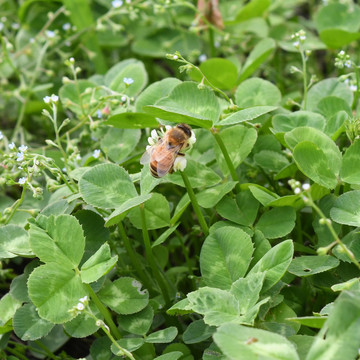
x: 162, y: 155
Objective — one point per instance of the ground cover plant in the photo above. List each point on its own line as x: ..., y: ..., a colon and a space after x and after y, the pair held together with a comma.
x: 249, y: 250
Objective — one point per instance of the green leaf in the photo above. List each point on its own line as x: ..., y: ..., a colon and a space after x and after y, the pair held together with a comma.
x: 173, y: 355
x: 338, y: 38
x: 346, y: 209
x: 197, y: 331
x: 28, y: 325
x: 124, y: 296
x: 320, y: 168
x: 14, y: 242
x: 210, y: 197
x: 352, y: 242
x: 341, y: 328
x: 54, y: 290
x: 199, y: 175
x: 253, y: 9
x: 258, y: 55
x: 157, y: 213
x: 239, y: 342
x: 330, y: 105
x: 221, y: 73
x: 288, y: 122
x: 225, y: 256
x: 130, y: 344
x: 61, y: 242
x: 98, y: 265
x: 328, y: 87
x: 155, y: 92
x: 186, y: 103
x: 8, y: 306
x: 218, y: 306
x: 78, y: 99
x: 136, y: 71
x: 241, y: 210
x: 132, y: 120
x: 163, y: 237
x: 247, y: 291
x: 310, y: 265
x: 263, y: 195
x: 239, y: 141
x: 245, y: 115
x: 119, y: 214
x: 275, y: 263
x: 277, y: 222
x: 271, y: 161
x: 350, y: 168
x: 257, y: 92
x: 106, y: 186
x: 316, y: 322
x: 83, y: 325
x: 162, y: 336
x: 138, y: 323
x: 118, y: 144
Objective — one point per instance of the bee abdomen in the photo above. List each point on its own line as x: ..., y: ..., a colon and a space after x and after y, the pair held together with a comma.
x: 153, y: 170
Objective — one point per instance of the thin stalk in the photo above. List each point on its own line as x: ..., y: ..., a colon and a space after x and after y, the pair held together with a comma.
x: 333, y: 233
x: 47, y: 351
x: 226, y: 155
x: 195, y: 204
x: 17, y: 203
x: 132, y: 255
x: 356, y: 97
x: 104, y: 311
x: 212, y: 42
x: 151, y: 259
x: 16, y: 353
x: 303, y: 58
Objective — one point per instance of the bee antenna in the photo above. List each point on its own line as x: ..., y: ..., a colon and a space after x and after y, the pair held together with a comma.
x: 185, y: 128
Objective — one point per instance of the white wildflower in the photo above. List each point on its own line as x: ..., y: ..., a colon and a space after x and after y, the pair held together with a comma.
x: 1, y: 135
x: 96, y: 153
x: 54, y: 98
x: 20, y: 156
x: 117, y: 3
x: 80, y: 306
x: 50, y: 34
x: 128, y: 81
x: 22, y: 180
x: 306, y: 187
x: 23, y: 148
x: 180, y: 163
x: 202, y: 57
x: 66, y: 26
x: 192, y: 139
x: 347, y: 63
x: 12, y: 146
x: 297, y: 191
x: 46, y: 99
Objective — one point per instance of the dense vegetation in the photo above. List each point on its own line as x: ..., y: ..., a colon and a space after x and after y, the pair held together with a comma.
x: 250, y: 250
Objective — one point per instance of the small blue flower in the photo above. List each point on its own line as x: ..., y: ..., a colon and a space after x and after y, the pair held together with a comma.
x: 66, y: 26
x: 117, y: 3
x: 96, y: 153
x: 20, y: 156
x: 128, y: 81
x: 98, y: 114
x: 50, y: 34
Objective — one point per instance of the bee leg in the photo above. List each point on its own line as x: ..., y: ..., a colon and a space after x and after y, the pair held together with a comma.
x: 180, y: 154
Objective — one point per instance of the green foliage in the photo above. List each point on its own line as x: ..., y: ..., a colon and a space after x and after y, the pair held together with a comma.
x: 249, y: 248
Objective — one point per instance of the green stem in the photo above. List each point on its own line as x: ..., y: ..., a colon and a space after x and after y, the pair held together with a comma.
x: 16, y: 353
x: 356, y: 97
x: 132, y: 255
x: 46, y: 350
x: 151, y: 259
x: 212, y: 42
x: 333, y: 233
x: 104, y: 311
x: 16, y: 205
x: 225, y: 153
x: 195, y: 204
x: 303, y: 58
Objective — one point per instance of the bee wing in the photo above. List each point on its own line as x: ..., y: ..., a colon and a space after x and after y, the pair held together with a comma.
x: 163, y: 167
x: 145, y: 158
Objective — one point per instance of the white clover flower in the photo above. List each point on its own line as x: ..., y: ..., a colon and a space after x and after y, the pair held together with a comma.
x: 66, y: 26
x: 54, y: 98
x: 297, y: 191
x: 128, y: 81
x: 96, y: 153
x: 306, y: 186
x: 180, y: 163
x: 1, y: 135
x: 50, y: 34
x: 80, y: 306
x: 168, y: 127
x: 23, y: 148
x: 192, y: 139
x: 117, y: 3
x: 12, y: 146
x: 20, y: 156
x: 46, y: 99
x: 202, y: 57
x: 22, y: 180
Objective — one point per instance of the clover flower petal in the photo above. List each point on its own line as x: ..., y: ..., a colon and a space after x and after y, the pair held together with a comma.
x: 180, y: 163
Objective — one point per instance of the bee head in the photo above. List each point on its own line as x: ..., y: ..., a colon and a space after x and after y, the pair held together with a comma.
x: 185, y: 128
